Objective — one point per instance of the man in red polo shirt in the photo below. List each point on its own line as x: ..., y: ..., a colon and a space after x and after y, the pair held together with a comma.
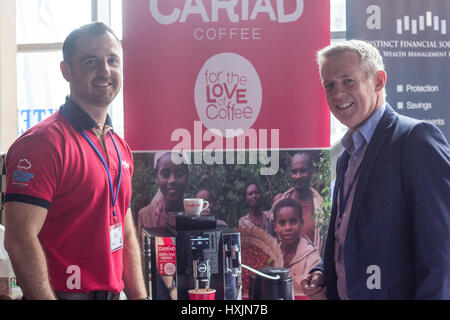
x: 69, y: 228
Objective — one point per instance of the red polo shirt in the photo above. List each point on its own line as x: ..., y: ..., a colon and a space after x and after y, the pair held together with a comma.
x: 53, y: 165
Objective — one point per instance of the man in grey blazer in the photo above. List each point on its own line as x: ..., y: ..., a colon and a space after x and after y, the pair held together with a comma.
x: 389, y: 231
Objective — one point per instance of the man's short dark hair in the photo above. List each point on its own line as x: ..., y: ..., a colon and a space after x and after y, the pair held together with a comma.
x: 91, y: 29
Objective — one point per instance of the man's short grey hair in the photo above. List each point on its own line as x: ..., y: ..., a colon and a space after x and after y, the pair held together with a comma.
x: 370, y: 58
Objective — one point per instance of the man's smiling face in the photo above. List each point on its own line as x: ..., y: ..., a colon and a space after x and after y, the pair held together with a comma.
x: 351, y: 95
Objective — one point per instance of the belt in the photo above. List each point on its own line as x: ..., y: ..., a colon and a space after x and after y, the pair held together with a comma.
x: 92, y: 295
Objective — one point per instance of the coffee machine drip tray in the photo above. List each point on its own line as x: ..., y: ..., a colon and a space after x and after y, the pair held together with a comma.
x: 182, y: 222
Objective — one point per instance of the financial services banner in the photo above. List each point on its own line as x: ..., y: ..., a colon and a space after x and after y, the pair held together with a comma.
x: 413, y: 37
x: 236, y: 85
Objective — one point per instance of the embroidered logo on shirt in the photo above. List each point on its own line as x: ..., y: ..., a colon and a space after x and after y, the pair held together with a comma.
x: 24, y: 164
x: 21, y: 176
x: 125, y: 164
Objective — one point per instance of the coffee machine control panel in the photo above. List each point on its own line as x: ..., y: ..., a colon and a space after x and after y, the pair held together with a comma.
x: 199, y: 242
x: 201, y: 267
x: 200, y: 246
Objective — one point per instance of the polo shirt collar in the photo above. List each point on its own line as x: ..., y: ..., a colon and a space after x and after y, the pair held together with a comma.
x: 79, y: 118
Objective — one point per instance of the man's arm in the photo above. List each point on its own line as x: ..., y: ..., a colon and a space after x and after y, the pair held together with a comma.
x: 426, y: 172
x: 132, y: 266
x: 23, y: 223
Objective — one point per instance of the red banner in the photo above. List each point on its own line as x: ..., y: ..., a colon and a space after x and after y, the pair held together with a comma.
x: 198, y: 74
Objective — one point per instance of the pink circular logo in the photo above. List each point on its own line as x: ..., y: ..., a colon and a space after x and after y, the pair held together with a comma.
x: 228, y: 94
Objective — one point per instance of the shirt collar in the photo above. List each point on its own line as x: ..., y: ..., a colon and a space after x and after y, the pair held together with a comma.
x: 352, y: 142
x: 79, y: 118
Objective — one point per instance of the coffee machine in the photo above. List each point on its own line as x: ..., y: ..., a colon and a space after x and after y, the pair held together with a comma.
x: 192, y: 252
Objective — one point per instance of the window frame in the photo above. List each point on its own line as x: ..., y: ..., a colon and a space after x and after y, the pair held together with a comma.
x: 100, y: 11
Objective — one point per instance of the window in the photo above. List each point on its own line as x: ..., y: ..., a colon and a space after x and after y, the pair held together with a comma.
x: 337, y: 13
x: 49, y: 21
x: 40, y: 87
x: 338, y: 27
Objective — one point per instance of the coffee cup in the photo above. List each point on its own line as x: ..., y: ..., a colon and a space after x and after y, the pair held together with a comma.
x: 194, y: 206
x: 202, y: 294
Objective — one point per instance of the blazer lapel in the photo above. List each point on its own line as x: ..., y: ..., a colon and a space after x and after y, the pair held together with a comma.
x: 381, y: 132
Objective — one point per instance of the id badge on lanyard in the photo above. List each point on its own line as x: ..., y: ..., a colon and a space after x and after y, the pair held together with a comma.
x: 115, y: 230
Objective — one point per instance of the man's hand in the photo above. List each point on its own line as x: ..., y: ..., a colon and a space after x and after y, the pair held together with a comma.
x: 312, y: 286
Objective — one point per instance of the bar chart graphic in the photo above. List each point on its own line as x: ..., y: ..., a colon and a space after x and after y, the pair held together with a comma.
x: 413, y: 39
x: 428, y: 21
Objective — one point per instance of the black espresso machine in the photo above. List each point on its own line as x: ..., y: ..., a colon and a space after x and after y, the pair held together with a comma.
x: 192, y: 253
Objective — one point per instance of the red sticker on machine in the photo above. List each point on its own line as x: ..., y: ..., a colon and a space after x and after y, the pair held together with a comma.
x: 167, y: 257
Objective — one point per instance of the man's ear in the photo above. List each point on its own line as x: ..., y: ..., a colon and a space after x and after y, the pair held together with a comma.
x: 65, y: 70
x: 380, y: 80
